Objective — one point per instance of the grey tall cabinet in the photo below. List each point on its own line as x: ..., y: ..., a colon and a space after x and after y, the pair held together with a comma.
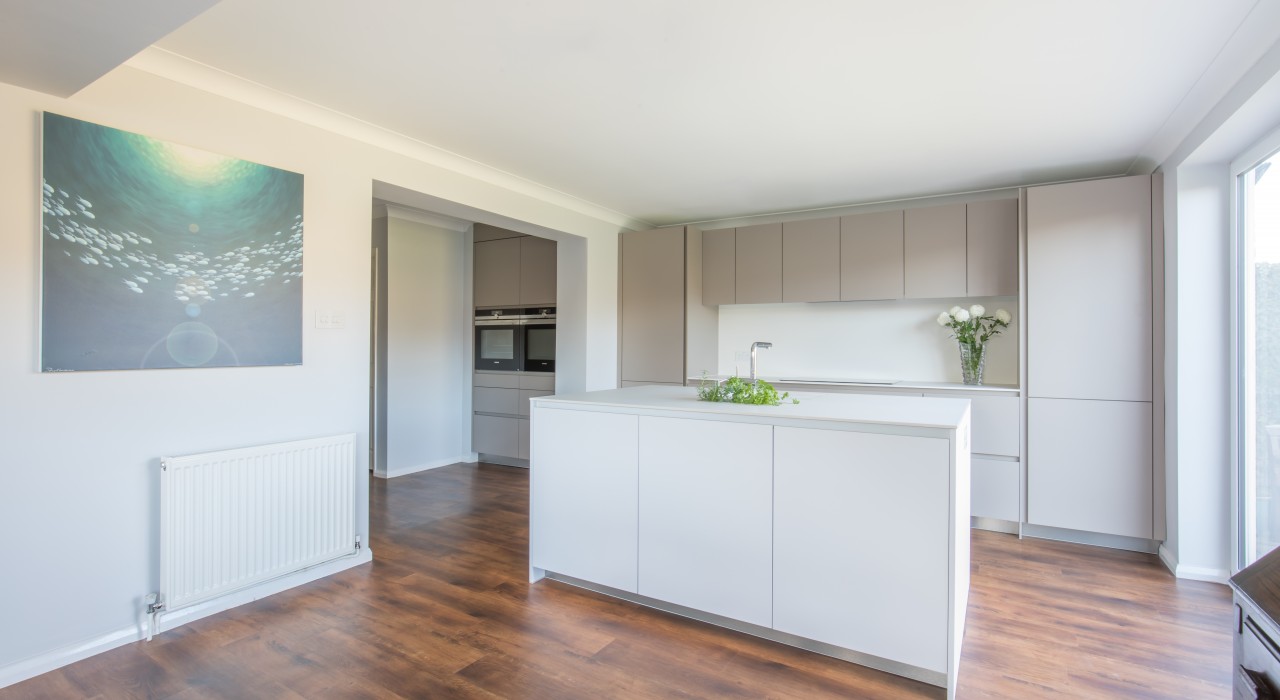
x: 665, y: 332
x: 1089, y: 324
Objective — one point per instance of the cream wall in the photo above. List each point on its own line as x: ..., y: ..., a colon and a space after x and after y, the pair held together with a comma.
x: 78, y: 482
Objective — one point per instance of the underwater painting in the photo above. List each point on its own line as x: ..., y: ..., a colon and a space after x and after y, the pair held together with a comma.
x: 158, y: 255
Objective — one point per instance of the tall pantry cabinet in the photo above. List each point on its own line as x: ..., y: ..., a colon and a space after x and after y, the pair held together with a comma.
x: 666, y: 334
x: 1089, y: 325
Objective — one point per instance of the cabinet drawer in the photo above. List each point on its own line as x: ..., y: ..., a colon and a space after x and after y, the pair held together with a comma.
x: 507, y: 380
x: 494, y: 435
x: 489, y: 400
x: 996, y: 428
x: 1258, y: 653
x: 522, y: 439
x: 542, y: 382
x: 995, y: 489
x: 525, y: 395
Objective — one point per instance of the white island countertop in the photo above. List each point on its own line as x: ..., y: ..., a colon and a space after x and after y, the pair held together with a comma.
x: 874, y: 409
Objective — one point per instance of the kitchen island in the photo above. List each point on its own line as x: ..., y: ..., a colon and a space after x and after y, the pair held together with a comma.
x: 839, y: 524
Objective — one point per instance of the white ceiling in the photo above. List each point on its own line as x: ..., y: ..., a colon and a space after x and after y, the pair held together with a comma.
x: 690, y: 110
x: 60, y: 46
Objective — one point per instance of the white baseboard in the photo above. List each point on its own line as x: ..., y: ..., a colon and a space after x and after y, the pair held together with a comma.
x: 1191, y: 573
x: 436, y: 464
x: 57, y: 658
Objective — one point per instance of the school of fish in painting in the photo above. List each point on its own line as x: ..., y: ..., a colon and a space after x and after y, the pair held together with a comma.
x: 158, y: 255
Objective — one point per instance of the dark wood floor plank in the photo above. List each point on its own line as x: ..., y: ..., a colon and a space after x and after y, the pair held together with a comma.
x: 445, y: 611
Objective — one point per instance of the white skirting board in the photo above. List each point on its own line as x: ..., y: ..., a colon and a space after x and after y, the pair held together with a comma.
x: 436, y: 464
x: 1192, y: 573
x: 57, y: 658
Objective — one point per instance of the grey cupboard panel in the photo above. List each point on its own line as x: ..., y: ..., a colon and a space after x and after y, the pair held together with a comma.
x: 494, y: 435
x: 1089, y: 296
x: 758, y: 264
x: 497, y: 272
x: 652, y: 291
x: 811, y: 260
x: 537, y: 271
x: 993, y: 248
x: 718, y: 262
x: 934, y: 252
x: 1089, y: 465
x: 491, y: 400
x: 871, y: 264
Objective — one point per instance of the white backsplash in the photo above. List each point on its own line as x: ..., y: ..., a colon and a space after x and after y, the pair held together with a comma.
x: 896, y: 340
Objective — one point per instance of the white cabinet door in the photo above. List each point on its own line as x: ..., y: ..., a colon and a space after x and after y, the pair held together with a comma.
x: 706, y: 524
x: 995, y: 489
x: 1088, y: 315
x: 1089, y: 465
x: 839, y: 524
x: 996, y: 425
x: 582, y: 495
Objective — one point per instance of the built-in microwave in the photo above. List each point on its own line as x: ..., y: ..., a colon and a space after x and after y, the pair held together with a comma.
x: 516, y: 339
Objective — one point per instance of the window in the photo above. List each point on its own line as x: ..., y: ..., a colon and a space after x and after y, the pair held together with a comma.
x: 1257, y: 353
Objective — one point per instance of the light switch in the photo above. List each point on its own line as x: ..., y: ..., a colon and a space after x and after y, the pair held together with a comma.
x: 329, y: 320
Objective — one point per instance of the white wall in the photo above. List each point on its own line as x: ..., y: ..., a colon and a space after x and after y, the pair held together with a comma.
x: 1199, y: 467
x: 1202, y: 371
x: 428, y: 382
x: 897, y: 340
x: 78, y: 482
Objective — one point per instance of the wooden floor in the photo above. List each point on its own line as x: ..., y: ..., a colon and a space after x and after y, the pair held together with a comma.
x: 444, y: 611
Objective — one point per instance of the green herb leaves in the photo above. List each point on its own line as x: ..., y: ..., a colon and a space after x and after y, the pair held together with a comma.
x: 738, y: 390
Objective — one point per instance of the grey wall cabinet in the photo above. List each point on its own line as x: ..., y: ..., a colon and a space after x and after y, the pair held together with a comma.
x: 811, y: 260
x: 497, y: 272
x: 871, y: 264
x: 537, y: 271
x: 666, y: 332
x: 719, y: 261
x: 758, y: 264
x: 517, y: 270
x: 652, y: 298
x: 993, y: 248
x: 934, y: 244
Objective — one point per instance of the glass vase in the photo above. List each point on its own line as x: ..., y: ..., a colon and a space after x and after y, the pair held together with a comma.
x: 972, y: 358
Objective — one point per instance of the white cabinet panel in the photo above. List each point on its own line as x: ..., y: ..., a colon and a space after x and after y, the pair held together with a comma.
x: 995, y: 489
x: 582, y: 499
x: 992, y: 248
x: 1089, y: 465
x: 996, y: 427
x: 840, y: 523
x: 994, y: 423
x: 652, y: 305
x: 1088, y: 314
x: 706, y: 524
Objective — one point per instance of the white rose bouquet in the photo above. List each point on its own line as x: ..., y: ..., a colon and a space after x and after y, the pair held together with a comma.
x: 972, y: 328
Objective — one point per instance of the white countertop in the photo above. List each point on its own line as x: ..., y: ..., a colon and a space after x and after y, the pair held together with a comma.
x: 916, y: 411
x: 856, y: 383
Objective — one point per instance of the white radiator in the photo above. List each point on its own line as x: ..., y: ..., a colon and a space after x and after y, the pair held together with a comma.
x: 235, y: 518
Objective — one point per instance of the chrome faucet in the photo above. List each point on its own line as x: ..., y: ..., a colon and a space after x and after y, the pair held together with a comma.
x: 755, y: 345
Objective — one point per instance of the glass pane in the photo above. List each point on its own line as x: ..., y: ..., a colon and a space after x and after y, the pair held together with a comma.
x: 498, y: 344
x: 1260, y: 393
x: 540, y: 344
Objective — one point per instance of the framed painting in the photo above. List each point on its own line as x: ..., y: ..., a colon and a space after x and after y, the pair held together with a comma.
x: 157, y: 255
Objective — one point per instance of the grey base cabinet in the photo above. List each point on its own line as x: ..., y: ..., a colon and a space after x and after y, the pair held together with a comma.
x: 1089, y: 466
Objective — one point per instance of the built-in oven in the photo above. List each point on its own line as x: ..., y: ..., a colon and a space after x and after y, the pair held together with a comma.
x: 516, y: 339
